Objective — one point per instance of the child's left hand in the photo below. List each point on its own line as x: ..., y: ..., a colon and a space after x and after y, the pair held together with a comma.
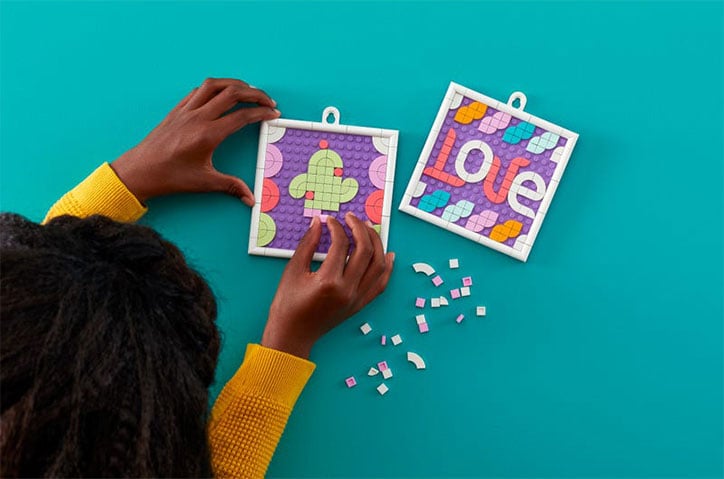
x: 176, y: 156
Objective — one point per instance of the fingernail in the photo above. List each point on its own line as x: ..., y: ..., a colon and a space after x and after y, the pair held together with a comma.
x: 393, y: 256
x: 277, y: 112
x: 369, y: 223
x: 274, y: 102
x: 315, y: 220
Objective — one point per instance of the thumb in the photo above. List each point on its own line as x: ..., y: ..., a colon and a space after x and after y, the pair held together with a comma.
x: 231, y: 185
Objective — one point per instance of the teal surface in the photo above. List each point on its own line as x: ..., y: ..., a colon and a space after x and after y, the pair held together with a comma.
x: 600, y: 357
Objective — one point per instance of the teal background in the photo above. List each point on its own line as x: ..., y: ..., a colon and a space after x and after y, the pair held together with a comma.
x: 600, y: 357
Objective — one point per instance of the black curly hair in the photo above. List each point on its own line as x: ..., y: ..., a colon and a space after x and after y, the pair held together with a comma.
x: 108, y: 345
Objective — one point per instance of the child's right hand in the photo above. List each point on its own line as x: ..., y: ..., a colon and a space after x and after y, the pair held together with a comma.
x: 309, y: 304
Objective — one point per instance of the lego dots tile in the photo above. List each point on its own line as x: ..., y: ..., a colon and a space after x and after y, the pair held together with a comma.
x: 416, y: 359
x: 488, y: 171
x: 307, y: 169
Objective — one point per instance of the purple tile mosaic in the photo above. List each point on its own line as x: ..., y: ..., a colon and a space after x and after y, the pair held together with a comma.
x: 498, y: 131
x: 296, y: 147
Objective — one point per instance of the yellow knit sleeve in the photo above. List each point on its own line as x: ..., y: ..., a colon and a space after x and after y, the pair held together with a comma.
x: 252, y: 410
x: 101, y: 193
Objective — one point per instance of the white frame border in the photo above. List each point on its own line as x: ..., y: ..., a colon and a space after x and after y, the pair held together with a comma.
x: 519, y: 113
x: 334, y: 127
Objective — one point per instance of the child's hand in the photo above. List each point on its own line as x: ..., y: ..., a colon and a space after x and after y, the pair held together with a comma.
x: 176, y: 156
x: 309, y: 304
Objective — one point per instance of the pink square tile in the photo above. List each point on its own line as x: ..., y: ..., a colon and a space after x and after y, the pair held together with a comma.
x: 423, y: 327
x: 420, y: 302
x: 437, y: 280
x: 455, y: 293
x: 382, y: 365
x: 460, y: 318
x: 351, y: 382
x: 467, y: 281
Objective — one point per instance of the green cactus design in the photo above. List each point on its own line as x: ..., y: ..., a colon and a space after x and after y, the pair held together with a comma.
x: 327, y: 189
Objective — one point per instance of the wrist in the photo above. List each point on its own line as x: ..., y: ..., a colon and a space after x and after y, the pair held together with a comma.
x: 287, y: 343
x: 125, y: 168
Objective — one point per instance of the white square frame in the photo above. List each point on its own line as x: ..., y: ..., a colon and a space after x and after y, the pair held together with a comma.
x: 267, y: 127
x: 453, y: 90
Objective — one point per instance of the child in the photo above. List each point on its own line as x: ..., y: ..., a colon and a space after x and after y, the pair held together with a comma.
x: 108, y: 338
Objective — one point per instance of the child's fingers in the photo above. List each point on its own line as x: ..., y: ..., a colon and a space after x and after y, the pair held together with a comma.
x: 333, y: 265
x: 185, y: 100
x: 232, y: 95
x: 231, y: 185
x: 210, y: 88
x: 363, y: 252
x: 302, y: 258
x: 236, y: 120
x: 377, y: 265
x: 379, y: 283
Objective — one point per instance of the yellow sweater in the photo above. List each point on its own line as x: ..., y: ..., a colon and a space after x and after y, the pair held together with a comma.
x: 251, y: 412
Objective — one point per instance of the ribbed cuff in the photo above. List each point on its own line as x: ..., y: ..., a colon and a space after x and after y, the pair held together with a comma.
x: 101, y: 193
x: 106, y: 192
x: 271, y: 374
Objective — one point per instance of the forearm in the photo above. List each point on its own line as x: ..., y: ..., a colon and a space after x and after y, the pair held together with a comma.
x: 250, y: 414
x: 101, y: 193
